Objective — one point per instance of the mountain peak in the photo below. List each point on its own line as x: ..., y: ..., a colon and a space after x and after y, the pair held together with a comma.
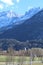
x: 31, y: 29
x: 11, y: 14
x: 32, y: 10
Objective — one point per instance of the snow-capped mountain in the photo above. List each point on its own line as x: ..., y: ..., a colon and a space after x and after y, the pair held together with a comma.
x: 31, y: 12
x: 7, y: 18
x: 10, y: 17
x: 31, y: 29
x: 11, y: 14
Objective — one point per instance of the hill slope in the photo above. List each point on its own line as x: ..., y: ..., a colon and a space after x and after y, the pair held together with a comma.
x: 17, y: 45
x: 29, y: 30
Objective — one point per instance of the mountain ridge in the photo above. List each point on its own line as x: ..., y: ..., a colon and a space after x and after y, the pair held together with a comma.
x: 29, y: 30
x: 10, y: 17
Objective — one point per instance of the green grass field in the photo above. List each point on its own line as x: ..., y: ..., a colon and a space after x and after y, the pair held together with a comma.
x: 37, y: 64
x: 15, y: 58
x: 18, y: 59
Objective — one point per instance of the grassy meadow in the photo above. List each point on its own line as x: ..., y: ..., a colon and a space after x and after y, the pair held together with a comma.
x: 22, y: 60
x: 3, y: 58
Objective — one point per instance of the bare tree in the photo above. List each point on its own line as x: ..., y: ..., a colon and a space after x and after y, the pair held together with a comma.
x: 21, y: 57
x: 10, y: 56
x: 31, y: 57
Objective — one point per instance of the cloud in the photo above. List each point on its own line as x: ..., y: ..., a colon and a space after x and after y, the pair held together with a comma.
x: 1, y: 6
x: 9, y: 2
x: 18, y: 1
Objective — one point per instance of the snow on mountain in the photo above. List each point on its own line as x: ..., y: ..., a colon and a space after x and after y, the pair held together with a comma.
x: 11, y: 14
x: 31, y: 29
x: 10, y: 17
x: 31, y: 12
x: 7, y: 18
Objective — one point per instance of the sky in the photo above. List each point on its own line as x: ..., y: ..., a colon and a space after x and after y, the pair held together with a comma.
x: 20, y: 6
